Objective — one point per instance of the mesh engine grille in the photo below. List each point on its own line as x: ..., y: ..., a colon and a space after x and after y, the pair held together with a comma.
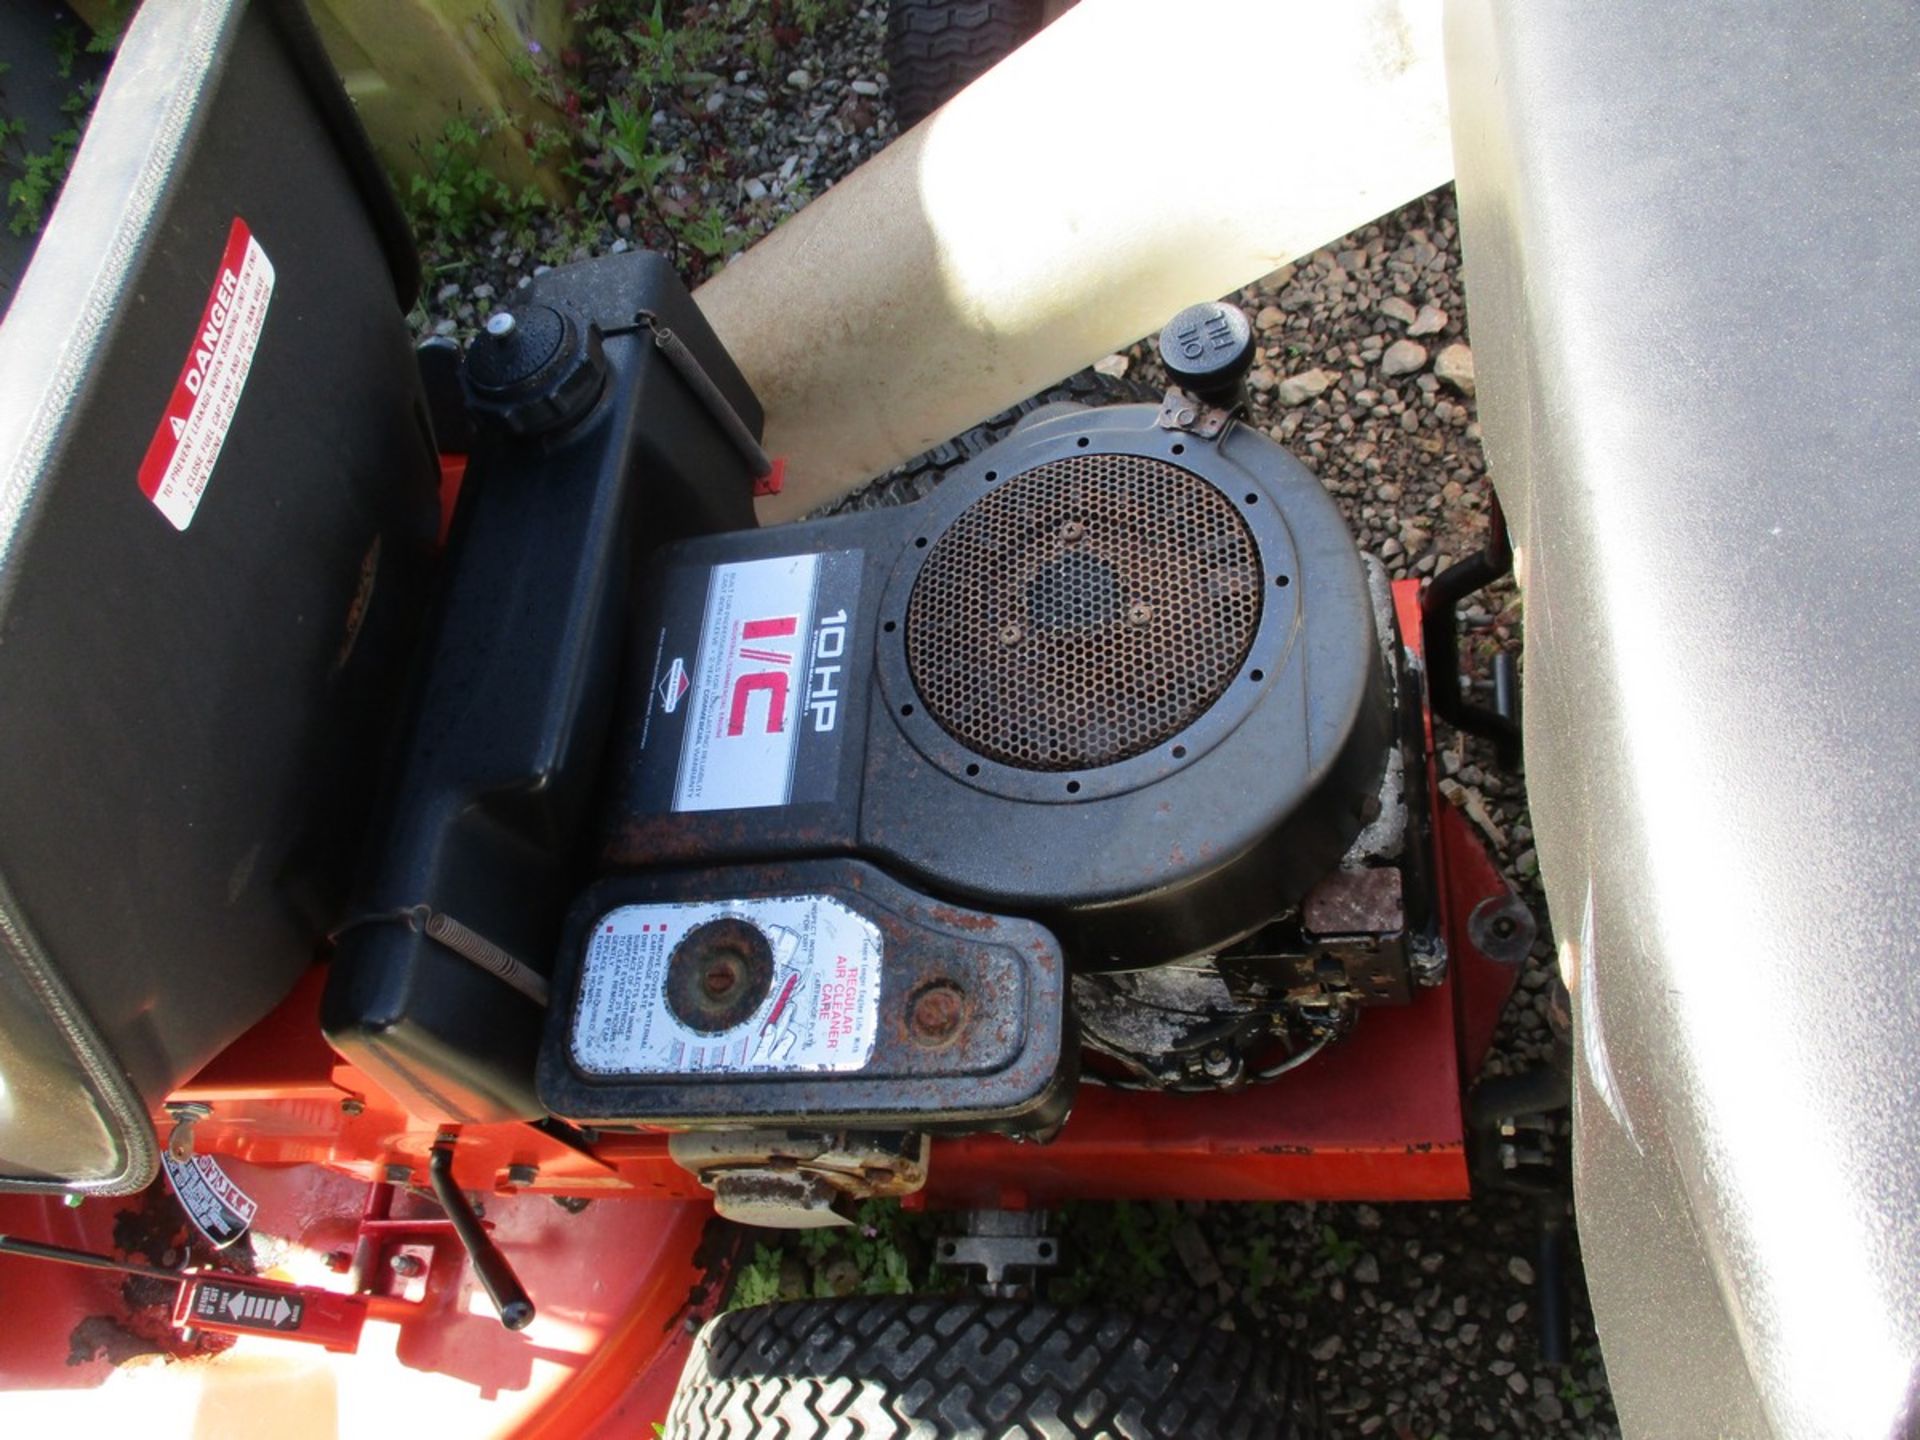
x: 1084, y: 612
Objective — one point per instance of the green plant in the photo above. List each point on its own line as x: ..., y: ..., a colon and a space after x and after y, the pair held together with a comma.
x: 455, y: 190
x: 1339, y: 1253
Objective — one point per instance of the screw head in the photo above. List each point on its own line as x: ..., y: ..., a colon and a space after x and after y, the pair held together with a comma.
x: 937, y: 1014
x: 407, y: 1266
x: 1010, y: 633
x: 501, y: 324
x: 1139, y: 613
x: 351, y: 1106
x: 1073, y: 531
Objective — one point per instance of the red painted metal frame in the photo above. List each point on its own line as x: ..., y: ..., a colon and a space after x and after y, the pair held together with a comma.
x: 313, y: 1139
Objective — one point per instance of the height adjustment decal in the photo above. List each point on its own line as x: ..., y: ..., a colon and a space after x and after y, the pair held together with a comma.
x: 180, y: 459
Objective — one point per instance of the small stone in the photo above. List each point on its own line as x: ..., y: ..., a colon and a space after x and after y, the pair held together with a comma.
x: 799, y: 79
x: 1516, y: 1312
x: 1455, y: 366
x: 620, y: 246
x: 1190, y: 1244
x: 1298, y: 389
x: 864, y: 87
x: 447, y: 294
x: 1403, y: 357
x: 716, y: 101
x: 1520, y: 1270
x: 1469, y: 1333
x: 1114, y: 365
x: 1517, y: 1383
x: 1327, y: 1348
x: 756, y: 189
x: 1395, y: 308
x: 1261, y: 380
x: 1549, y: 1408
x: 1430, y: 321
x: 1366, y: 1270
x: 1271, y: 317
x: 1527, y: 862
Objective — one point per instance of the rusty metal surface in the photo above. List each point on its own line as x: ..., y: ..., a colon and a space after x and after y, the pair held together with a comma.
x: 1355, y: 902
x: 1084, y: 612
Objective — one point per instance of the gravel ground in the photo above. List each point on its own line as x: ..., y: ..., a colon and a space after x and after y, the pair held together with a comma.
x: 1418, y: 1318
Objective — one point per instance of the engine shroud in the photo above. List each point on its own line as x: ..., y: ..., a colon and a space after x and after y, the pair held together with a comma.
x: 1114, y: 677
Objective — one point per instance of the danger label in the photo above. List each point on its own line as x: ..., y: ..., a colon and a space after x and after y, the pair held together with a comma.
x: 218, y: 1208
x: 187, y: 442
x: 821, y: 1010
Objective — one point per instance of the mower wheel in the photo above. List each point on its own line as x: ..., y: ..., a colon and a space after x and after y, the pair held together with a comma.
x: 941, y: 1365
x: 936, y: 48
x: 918, y: 477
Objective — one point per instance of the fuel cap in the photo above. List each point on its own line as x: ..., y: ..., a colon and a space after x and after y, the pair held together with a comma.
x: 534, y: 369
x: 1208, y: 350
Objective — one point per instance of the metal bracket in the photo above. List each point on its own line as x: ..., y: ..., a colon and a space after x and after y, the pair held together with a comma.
x: 1002, y: 1245
x: 1181, y: 411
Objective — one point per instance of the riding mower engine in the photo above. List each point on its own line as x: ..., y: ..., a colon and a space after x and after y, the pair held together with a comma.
x: 1097, y: 747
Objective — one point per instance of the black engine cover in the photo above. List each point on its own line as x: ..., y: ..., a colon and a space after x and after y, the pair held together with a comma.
x: 1116, y: 677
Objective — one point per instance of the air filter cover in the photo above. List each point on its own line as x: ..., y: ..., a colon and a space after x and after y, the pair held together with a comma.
x: 1122, y: 679
x: 1084, y: 612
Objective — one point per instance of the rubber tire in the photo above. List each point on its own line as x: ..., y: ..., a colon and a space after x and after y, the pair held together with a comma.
x: 918, y: 478
x: 938, y: 1365
x: 936, y: 48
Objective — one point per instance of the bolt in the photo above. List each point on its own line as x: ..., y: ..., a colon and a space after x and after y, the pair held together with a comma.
x: 501, y: 324
x: 1139, y: 613
x: 1010, y: 634
x: 1073, y: 531
x: 938, y: 1013
x: 351, y: 1106
x: 1503, y: 927
x: 1217, y: 1063
x: 522, y: 1175
x: 399, y: 1175
x: 1187, y: 417
x: 406, y: 1266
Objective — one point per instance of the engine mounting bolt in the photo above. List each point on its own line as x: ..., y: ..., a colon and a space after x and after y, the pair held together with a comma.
x: 407, y: 1266
x: 501, y: 324
x: 937, y: 1015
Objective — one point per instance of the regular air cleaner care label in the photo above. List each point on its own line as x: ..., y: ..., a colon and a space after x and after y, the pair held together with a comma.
x: 729, y: 988
x: 750, y: 683
x: 180, y: 460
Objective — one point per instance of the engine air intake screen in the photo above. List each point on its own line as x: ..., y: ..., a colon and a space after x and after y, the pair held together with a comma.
x: 1083, y: 612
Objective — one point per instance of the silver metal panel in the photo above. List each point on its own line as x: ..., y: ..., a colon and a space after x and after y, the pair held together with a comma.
x: 1691, y: 240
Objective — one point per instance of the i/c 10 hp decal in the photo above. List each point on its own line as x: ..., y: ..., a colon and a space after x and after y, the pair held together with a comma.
x: 750, y: 686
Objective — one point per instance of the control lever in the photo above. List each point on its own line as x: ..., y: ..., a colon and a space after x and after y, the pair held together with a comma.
x: 503, y: 1287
